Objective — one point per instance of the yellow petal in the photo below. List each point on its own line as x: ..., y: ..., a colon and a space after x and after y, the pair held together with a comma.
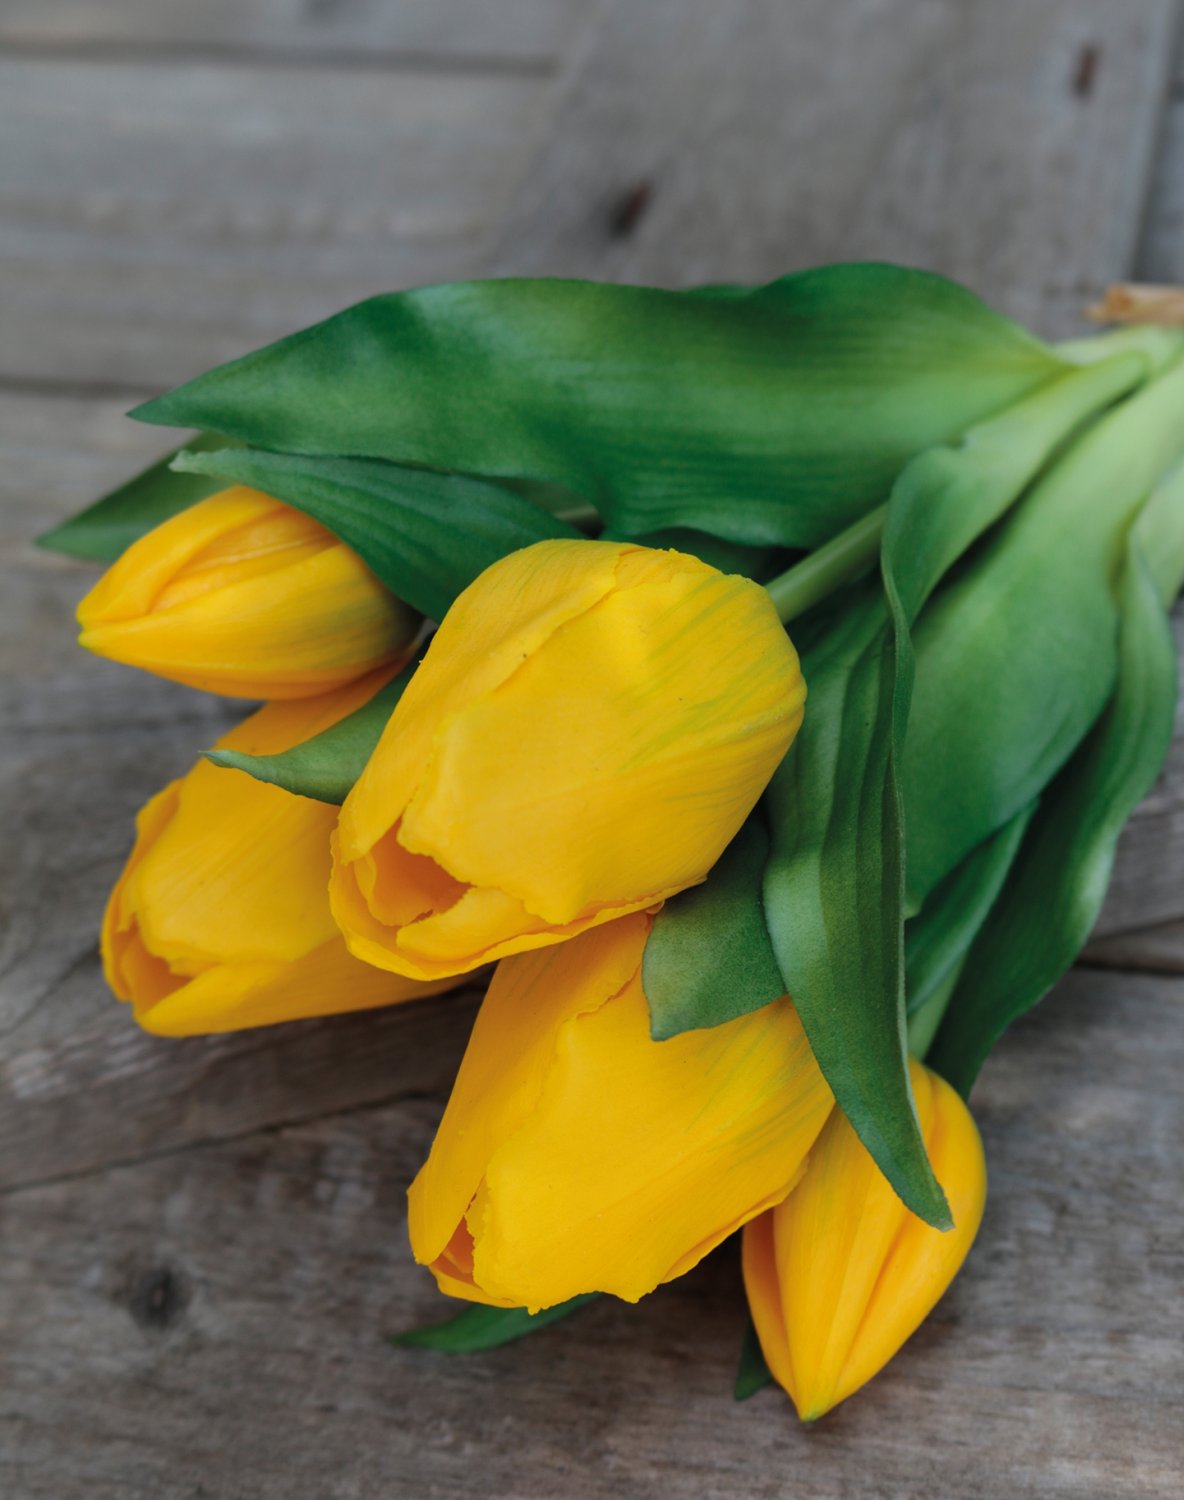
x: 495, y: 625
x: 585, y: 709
x: 922, y: 1261
x: 132, y: 972
x: 588, y: 730
x: 582, y: 1155
x: 841, y: 1273
x: 325, y: 982
x: 239, y: 874
x: 221, y: 917
x: 364, y: 896
x: 243, y: 595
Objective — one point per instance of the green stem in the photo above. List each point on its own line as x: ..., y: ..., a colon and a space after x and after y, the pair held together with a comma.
x: 925, y: 1020
x: 843, y: 558
x: 577, y: 514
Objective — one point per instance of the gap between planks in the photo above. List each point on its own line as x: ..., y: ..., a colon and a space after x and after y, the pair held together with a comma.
x: 246, y: 54
x: 215, y: 1140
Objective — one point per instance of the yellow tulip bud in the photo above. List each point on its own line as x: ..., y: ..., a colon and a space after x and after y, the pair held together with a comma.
x: 243, y: 595
x: 576, y: 1154
x: 841, y: 1273
x: 590, y: 726
x: 220, y: 919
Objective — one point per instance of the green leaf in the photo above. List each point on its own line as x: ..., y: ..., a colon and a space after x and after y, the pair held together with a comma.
x: 326, y: 766
x: 1051, y: 902
x: 1017, y: 656
x: 834, y: 887
x: 553, y: 497
x: 924, y: 1021
x: 108, y: 527
x: 774, y: 415
x: 832, y: 892
x: 477, y: 1328
x: 425, y: 535
x: 709, y: 958
x: 937, y: 939
x: 753, y: 1374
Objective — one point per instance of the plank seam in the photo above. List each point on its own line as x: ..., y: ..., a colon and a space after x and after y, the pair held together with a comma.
x: 206, y: 1143
x: 69, y: 389
x: 248, y: 55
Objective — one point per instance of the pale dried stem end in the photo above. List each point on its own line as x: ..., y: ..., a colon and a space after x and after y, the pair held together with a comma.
x: 1131, y: 302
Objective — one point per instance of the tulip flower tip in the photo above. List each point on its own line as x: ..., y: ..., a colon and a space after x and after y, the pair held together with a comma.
x: 812, y: 1413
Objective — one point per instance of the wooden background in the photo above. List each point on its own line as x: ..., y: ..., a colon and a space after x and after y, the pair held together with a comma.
x: 202, y: 1243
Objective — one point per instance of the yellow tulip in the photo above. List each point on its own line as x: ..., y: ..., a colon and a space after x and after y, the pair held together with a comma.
x: 840, y: 1274
x: 243, y: 595
x: 577, y: 1155
x: 220, y: 919
x: 590, y: 726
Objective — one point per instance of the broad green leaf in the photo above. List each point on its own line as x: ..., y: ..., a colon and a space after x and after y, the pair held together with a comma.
x: 834, y: 886
x: 477, y: 1328
x: 772, y: 415
x: 108, y: 527
x: 1018, y: 655
x: 326, y: 766
x: 425, y: 535
x: 753, y: 1374
x: 1051, y: 902
x: 709, y: 958
x: 937, y: 938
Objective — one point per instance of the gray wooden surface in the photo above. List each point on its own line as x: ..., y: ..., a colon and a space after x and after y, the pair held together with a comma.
x: 201, y: 1243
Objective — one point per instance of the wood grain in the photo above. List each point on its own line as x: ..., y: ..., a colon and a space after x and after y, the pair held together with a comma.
x: 159, y: 217
x: 1145, y: 888
x: 952, y: 134
x: 1161, y: 249
x: 210, y: 1323
x: 521, y: 32
x: 1158, y: 949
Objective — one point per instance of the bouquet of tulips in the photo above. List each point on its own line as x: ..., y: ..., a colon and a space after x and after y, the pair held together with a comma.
x: 759, y: 677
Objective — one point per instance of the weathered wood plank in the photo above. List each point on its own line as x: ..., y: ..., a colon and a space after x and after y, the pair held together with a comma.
x: 1161, y: 252
x: 156, y: 218
x: 1139, y: 926
x: 733, y: 139
x: 526, y: 32
x: 1158, y: 949
x: 210, y: 1323
x: 1146, y: 886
